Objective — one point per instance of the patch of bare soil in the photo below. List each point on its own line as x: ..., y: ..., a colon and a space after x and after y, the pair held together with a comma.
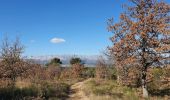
x: 76, y: 92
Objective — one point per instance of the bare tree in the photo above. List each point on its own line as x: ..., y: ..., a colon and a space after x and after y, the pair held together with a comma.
x: 101, y: 69
x: 12, y: 66
x: 142, y: 36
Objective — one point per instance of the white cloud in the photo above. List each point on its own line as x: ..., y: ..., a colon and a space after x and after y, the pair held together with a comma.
x: 57, y: 40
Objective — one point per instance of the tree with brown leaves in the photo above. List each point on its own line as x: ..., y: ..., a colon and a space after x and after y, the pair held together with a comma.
x: 12, y: 66
x: 142, y: 37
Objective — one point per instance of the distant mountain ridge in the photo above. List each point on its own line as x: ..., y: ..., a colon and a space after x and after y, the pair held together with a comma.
x: 87, y: 59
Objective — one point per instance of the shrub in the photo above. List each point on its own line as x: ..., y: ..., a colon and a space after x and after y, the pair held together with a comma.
x: 157, y: 75
x: 101, y: 69
x: 31, y: 91
x: 89, y: 72
x: 46, y: 90
x: 51, y: 90
x: 66, y: 73
x: 76, y: 60
x: 77, y: 70
x: 54, y: 72
x: 54, y: 62
x: 102, y: 88
x: 14, y: 93
x: 112, y: 72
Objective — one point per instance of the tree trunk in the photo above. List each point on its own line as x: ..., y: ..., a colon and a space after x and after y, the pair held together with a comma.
x: 118, y: 79
x: 144, y: 87
x: 145, y: 92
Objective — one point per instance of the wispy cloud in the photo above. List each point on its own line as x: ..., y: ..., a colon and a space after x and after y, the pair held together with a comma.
x: 57, y: 40
x: 32, y: 41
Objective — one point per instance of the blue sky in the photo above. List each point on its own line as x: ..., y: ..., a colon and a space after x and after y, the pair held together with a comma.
x: 48, y: 27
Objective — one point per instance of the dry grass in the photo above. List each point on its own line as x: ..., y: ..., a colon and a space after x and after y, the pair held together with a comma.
x: 23, y: 83
x: 108, y: 90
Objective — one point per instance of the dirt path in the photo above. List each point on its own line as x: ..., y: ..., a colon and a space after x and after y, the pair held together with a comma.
x: 76, y: 92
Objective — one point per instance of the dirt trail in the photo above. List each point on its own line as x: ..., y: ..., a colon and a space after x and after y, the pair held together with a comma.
x: 76, y: 92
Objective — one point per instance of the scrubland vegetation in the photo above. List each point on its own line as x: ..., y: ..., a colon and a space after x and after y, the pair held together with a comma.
x: 140, y: 42
x: 111, y: 89
x: 53, y: 82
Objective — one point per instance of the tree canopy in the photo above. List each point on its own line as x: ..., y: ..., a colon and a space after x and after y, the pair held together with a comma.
x: 55, y: 61
x: 142, y: 37
x: 75, y: 60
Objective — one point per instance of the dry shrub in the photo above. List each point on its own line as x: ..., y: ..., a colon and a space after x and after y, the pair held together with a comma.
x: 134, y: 77
x: 89, y: 72
x: 10, y: 72
x: 66, y: 73
x: 38, y: 74
x: 12, y: 65
x: 77, y: 70
x: 23, y: 83
x: 159, y: 78
x: 109, y: 89
x: 54, y: 71
x: 5, y: 83
x: 101, y: 69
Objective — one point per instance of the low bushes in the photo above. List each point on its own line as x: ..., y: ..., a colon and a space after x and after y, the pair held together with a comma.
x: 14, y: 93
x: 45, y: 91
x: 89, y: 72
x: 108, y: 89
x: 51, y: 90
x: 159, y: 82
